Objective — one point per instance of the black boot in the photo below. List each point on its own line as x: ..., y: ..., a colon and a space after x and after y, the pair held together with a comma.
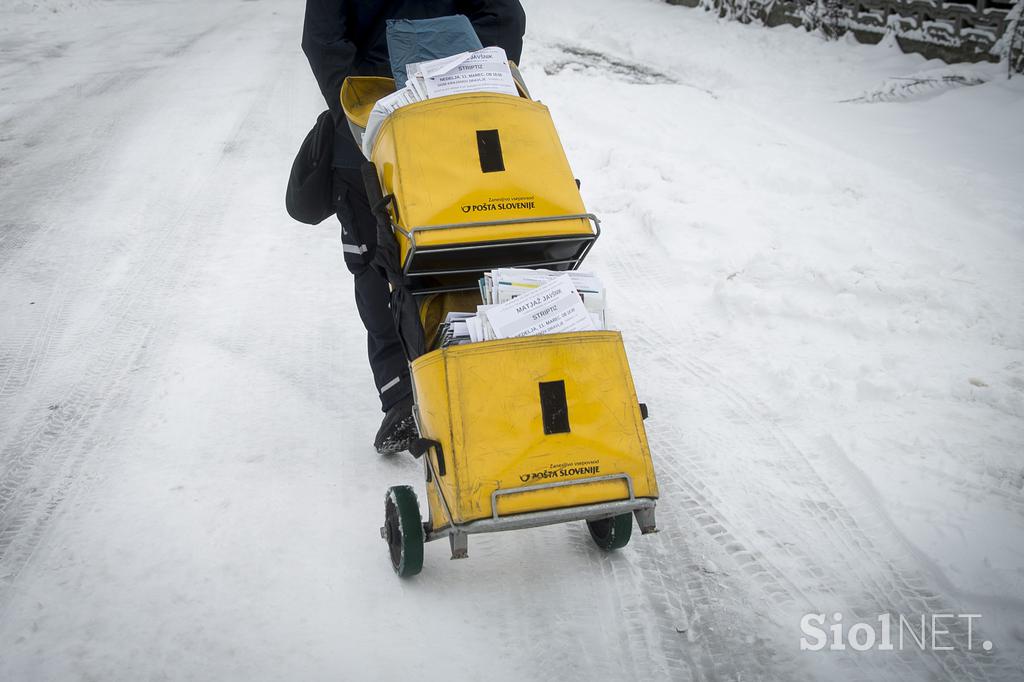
x: 397, y: 430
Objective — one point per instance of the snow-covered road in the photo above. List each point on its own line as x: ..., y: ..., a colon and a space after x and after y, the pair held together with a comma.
x: 823, y: 303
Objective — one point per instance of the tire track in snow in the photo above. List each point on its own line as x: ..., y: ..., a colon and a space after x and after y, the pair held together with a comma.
x: 845, y: 555
x: 31, y: 213
x: 97, y: 113
x: 661, y: 612
x: 679, y: 575
x: 860, y: 548
x: 989, y: 484
x: 638, y: 624
x: 24, y: 351
x: 47, y: 457
x: 567, y: 610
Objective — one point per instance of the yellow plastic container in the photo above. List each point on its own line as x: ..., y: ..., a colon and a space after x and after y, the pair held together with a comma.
x: 522, y: 413
x: 479, y: 181
x: 435, y: 307
x: 358, y: 95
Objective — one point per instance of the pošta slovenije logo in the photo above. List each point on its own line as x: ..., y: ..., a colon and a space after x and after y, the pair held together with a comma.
x: 501, y: 204
x: 569, y: 470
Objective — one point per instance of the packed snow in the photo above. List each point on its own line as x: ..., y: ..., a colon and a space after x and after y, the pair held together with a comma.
x: 815, y: 251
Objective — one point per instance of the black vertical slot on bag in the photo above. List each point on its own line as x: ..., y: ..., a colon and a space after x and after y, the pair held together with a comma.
x: 488, y: 144
x: 553, y: 408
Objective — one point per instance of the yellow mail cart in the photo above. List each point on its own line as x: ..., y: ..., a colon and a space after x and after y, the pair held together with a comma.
x: 514, y: 433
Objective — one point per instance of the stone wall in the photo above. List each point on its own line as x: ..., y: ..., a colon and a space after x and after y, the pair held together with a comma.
x: 959, y: 31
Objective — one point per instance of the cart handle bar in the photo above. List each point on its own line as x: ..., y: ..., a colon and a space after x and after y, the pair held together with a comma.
x: 558, y: 484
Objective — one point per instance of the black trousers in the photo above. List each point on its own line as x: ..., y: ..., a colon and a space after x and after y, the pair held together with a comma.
x: 359, y: 242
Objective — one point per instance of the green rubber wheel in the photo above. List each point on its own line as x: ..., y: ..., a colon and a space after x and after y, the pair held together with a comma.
x: 612, y: 533
x: 403, y: 530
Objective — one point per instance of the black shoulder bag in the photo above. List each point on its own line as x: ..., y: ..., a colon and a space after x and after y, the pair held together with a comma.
x: 309, y: 197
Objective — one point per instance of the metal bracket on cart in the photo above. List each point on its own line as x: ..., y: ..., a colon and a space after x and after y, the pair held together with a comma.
x: 585, y: 242
x: 458, y: 534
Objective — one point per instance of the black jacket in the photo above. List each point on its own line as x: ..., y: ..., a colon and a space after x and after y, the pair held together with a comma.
x: 344, y: 38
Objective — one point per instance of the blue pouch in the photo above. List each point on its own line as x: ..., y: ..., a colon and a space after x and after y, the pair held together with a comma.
x: 419, y: 40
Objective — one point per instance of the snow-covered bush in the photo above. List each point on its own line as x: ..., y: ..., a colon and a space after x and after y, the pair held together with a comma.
x: 833, y: 19
x: 826, y: 16
x: 1013, y: 39
x: 743, y: 11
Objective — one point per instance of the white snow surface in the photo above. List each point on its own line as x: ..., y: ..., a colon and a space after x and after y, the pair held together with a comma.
x: 822, y: 299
